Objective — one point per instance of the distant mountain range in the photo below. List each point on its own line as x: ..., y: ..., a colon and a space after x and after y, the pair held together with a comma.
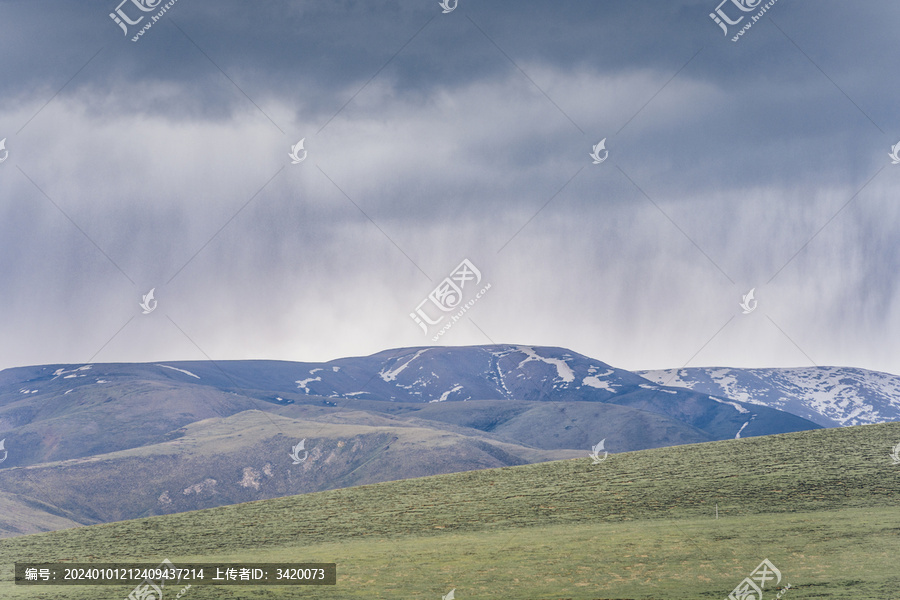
x: 104, y: 442
x: 829, y: 396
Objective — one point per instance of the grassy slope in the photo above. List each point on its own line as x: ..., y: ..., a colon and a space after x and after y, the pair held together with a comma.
x: 821, y: 505
x: 129, y: 484
x: 21, y: 515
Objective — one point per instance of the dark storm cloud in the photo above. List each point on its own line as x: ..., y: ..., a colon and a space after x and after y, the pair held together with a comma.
x: 162, y: 163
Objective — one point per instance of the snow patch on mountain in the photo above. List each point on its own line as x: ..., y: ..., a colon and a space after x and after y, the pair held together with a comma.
x: 595, y: 382
x: 180, y: 370
x: 593, y: 370
x: 563, y: 370
x: 737, y: 406
x: 391, y: 375
x: 72, y: 373
x: 668, y: 377
x: 728, y: 381
x: 446, y: 394
x: 302, y: 383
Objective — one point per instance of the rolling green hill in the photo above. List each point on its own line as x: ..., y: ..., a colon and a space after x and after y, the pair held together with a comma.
x: 823, y: 506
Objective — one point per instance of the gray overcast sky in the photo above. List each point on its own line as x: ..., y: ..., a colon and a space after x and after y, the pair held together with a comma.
x: 432, y: 138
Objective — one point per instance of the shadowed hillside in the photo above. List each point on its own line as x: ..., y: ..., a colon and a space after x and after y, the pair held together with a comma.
x: 821, y: 505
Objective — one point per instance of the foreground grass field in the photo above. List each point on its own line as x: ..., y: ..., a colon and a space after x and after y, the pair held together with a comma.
x: 821, y: 505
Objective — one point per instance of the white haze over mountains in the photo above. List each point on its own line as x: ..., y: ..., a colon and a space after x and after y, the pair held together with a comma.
x: 164, y: 164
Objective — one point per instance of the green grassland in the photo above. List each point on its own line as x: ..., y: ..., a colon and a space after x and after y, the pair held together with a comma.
x: 823, y: 506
